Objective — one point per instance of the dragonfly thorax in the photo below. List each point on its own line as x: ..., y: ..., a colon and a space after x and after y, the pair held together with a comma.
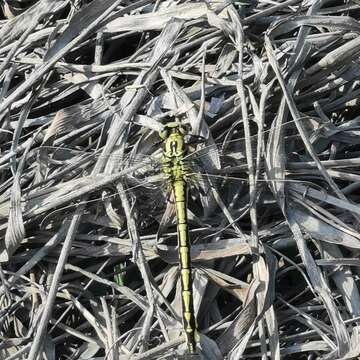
x: 174, y: 146
x: 174, y: 151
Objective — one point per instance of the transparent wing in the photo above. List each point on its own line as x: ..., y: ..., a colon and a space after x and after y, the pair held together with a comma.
x: 66, y: 171
x: 215, y: 190
x: 205, y: 156
x: 59, y: 164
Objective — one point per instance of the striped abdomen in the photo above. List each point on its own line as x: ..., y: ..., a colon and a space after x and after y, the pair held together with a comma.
x: 180, y: 194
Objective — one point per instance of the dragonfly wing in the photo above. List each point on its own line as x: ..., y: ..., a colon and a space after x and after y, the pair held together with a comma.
x: 203, y: 187
x: 202, y: 178
x: 210, y: 158
x: 146, y: 145
x: 205, y: 159
x: 223, y: 195
x: 168, y: 218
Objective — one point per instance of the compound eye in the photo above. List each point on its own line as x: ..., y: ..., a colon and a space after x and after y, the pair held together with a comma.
x: 164, y: 134
x: 185, y: 128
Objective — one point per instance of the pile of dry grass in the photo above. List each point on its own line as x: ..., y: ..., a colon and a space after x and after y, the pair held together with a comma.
x: 88, y: 252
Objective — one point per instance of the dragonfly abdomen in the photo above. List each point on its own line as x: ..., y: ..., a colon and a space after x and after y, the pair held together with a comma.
x: 175, y: 171
x: 180, y: 195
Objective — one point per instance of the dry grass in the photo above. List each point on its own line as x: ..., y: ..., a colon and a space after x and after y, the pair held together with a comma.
x: 88, y: 245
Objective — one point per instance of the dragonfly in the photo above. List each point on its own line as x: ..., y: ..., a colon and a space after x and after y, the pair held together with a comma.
x: 176, y: 171
x: 179, y: 172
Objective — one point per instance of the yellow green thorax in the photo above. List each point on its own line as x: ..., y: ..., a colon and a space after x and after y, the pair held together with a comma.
x: 174, y: 151
x: 176, y: 171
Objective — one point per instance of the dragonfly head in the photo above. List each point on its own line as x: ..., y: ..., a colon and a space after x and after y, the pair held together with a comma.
x: 174, y: 128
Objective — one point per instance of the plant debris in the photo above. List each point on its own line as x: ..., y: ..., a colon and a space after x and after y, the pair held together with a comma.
x: 88, y: 250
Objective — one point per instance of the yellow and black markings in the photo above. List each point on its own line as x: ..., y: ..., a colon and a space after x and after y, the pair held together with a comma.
x: 174, y: 169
